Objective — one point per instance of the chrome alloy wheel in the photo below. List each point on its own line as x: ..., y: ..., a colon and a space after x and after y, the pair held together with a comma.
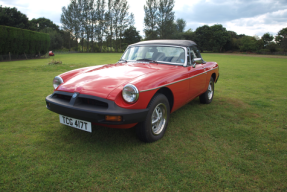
x: 210, y: 90
x: 158, y: 119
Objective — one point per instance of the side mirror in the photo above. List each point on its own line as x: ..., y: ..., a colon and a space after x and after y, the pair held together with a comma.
x: 198, y: 60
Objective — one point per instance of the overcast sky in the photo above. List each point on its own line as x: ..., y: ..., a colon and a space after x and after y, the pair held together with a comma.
x: 250, y: 17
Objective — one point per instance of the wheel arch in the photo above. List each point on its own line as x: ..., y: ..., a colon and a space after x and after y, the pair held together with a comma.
x: 214, y: 77
x: 169, y: 95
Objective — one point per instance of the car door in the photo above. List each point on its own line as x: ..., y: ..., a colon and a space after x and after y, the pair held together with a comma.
x: 197, y: 74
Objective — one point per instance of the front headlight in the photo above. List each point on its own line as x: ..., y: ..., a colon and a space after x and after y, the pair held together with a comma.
x: 130, y: 93
x: 57, y: 81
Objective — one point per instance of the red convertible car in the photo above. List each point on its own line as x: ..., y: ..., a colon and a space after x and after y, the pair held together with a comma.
x: 150, y: 81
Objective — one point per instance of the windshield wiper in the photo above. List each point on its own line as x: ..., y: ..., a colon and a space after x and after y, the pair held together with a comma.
x: 147, y: 60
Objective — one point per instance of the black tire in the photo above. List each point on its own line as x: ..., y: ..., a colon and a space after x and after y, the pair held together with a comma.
x: 207, y: 96
x: 159, y: 112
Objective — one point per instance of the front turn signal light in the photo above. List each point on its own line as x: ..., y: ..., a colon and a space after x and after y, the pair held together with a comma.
x: 113, y: 118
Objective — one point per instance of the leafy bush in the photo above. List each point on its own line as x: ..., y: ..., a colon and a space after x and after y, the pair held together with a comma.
x: 272, y: 47
x: 248, y: 44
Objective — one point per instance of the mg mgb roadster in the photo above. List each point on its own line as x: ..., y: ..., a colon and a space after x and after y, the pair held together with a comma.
x: 150, y: 81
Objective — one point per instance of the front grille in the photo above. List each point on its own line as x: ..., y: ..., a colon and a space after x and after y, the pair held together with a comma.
x: 91, y: 102
x: 62, y: 97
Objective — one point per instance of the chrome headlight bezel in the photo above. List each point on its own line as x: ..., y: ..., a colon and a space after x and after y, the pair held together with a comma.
x: 130, y: 93
x: 57, y: 81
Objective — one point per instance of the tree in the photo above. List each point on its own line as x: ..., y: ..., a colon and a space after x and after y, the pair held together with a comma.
x: 43, y: 23
x: 165, y: 18
x: 117, y: 16
x: 72, y: 19
x: 131, y: 35
x: 86, y: 8
x: 272, y: 47
x: 69, y: 21
x: 232, y: 42
x: 117, y: 6
x: 13, y: 18
x: 281, y: 38
x: 101, y: 27
x: 283, y: 44
x: 248, y: 43
x: 203, y: 37
x: 124, y: 21
x: 109, y: 20
x: 180, y: 25
x: 56, y: 39
x: 220, y: 36
x: 188, y: 35
x: 92, y: 21
x: 267, y: 38
x: 151, y: 19
x: 177, y: 29
x: 282, y: 34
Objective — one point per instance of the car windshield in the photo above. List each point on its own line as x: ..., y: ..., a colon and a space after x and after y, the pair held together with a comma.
x: 162, y: 54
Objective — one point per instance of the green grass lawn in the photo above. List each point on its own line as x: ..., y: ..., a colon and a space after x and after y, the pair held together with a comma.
x: 236, y: 143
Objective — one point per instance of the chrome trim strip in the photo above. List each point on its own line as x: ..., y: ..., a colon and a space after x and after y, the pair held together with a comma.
x: 177, y: 81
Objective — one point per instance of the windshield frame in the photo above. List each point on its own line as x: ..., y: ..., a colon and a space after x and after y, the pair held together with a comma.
x: 159, y: 62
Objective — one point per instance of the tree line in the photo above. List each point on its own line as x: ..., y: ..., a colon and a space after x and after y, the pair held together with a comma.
x: 217, y: 39
x: 107, y: 23
x: 108, y: 26
x: 160, y: 23
x: 159, y: 20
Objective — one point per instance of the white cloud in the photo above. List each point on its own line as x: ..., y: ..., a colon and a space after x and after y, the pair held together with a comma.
x: 137, y: 8
x: 260, y: 24
x: 180, y: 5
x: 51, y: 9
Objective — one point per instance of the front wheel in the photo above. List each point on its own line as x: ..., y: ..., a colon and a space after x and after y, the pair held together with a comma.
x: 155, y: 124
x: 207, y: 96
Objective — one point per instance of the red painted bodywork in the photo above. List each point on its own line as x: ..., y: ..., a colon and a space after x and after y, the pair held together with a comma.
x: 107, y: 81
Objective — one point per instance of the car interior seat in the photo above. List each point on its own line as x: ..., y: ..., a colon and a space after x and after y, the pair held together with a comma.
x: 158, y: 56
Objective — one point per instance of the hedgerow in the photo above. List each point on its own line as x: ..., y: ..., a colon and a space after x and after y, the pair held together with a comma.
x: 22, y: 41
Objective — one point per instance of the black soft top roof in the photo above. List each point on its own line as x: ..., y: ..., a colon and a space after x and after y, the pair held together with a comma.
x: 184, y: 43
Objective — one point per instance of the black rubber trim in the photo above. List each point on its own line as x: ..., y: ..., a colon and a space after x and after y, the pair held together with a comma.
x: 91, y: 113
x: 217, y: 78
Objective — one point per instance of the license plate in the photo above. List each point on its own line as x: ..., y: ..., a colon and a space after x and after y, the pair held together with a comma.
x: 76, y: 123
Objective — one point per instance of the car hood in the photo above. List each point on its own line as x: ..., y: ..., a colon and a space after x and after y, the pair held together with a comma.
x: 100, y: 81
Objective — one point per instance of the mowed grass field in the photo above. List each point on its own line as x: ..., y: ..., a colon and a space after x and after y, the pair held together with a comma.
x: 236, y: 143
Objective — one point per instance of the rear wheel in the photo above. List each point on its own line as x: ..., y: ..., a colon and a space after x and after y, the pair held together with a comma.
x: 207, y: 96
x: 155, y: 124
